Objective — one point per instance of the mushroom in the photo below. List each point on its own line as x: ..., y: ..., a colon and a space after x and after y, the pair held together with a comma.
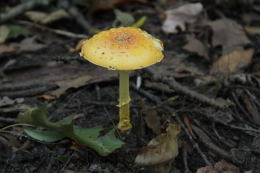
x: 123, y: 49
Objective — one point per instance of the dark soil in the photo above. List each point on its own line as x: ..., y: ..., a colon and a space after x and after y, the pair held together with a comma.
x: 92, y: 102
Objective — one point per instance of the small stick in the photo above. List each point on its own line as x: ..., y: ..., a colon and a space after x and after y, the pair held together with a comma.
x: 8, y: 120
x: 56, y: 31
x: 195, y: 145
x: 184, y: 90
x: 150, y: 96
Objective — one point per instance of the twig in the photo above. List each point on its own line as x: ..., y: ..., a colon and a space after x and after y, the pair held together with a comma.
x: 8, y: 120
x: 56, y: 31
x: 184, y: 90
x: 22, y: 85
x: 74, y: 12
x: 185, y: 158
x: 195, y: 145
x: 19, y: 9
x: 150, y: 96
x: 28, y: 92
x: 207, y: 141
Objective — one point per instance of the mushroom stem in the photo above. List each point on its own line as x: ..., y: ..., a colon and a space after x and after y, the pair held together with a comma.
x: 124, y: 124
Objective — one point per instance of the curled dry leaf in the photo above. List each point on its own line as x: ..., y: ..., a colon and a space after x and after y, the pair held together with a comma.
x: 252, y: 30
x: 4, y: 33
x: 220, y: 167
x: 153, y: 121
x: 77, y: 49
x: 160, y: 149
x: 177, y: 18
x: 44, y: 18
x: 233, y: 62
x: 27, y: 45
x: 229, y: 34
x: 194, y: 45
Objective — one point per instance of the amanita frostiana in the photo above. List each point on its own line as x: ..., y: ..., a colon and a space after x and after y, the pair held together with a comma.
x: 123, y: 49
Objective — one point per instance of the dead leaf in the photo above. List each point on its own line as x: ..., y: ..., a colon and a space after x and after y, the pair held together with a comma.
x: 252, y: 30
x: 220, y: 167
x: 27, y: 45
x: 177, y: 18
x: 97, y: 5
x: 63, y: 75
x: 7, y: 48
x: 176, y: 65
x: 66, y: 84
x: 77, y: 49
x: 160, y: 149
x: 207, y: 169
x: 47, y: 97
x: 35, y: 16
x: 223, y: 166
x: 45, y: 18
x: 153, y: 121
x: 229, y: 34
x: 194, y: 45
x: 4, y: 33
x: 55, y: 16
x: 233, y: 62
x: 187, y: 123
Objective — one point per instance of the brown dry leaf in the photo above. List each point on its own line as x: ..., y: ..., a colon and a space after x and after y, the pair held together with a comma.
x: 4, y: 33
x: 177, y: 18
x: 97, y: 5
x: 66, y: 84
x: 44, y: 18
x: 27, y: 45
x: 194, y: 45
x: 64, y: 75
x: 47, y: 97
x: 153, y: 121
x: 229, y: 34
x: 175, y: 65
x: 223, y: 166
x: 78, y: 47
x: 35, y: 16
x: 7, y: 48
x: 187, y: 123
x: 252, y: 30
x: 233, y: 62
x: 220, y: 167
x: 160, y: 149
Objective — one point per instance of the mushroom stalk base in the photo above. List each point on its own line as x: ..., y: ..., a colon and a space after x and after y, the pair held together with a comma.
x: 124, y: 124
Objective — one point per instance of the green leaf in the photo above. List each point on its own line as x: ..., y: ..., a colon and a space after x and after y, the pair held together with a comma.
x: 17, y: 30
x: 140, y: 22
x: 125, y: 19
x: 46, y: 136
x: 104, y: 145
x: 90, y: 137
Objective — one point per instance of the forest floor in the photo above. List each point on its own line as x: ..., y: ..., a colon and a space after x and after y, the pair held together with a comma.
x: 208, y: 82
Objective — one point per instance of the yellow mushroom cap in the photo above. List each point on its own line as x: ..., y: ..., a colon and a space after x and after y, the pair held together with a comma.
x: 125, y: 48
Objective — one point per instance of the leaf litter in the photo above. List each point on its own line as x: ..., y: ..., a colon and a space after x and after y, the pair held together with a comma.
x: 233, y: 62
x: 228, y: 34
x: 177, y: 18
x: 160, y: 150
